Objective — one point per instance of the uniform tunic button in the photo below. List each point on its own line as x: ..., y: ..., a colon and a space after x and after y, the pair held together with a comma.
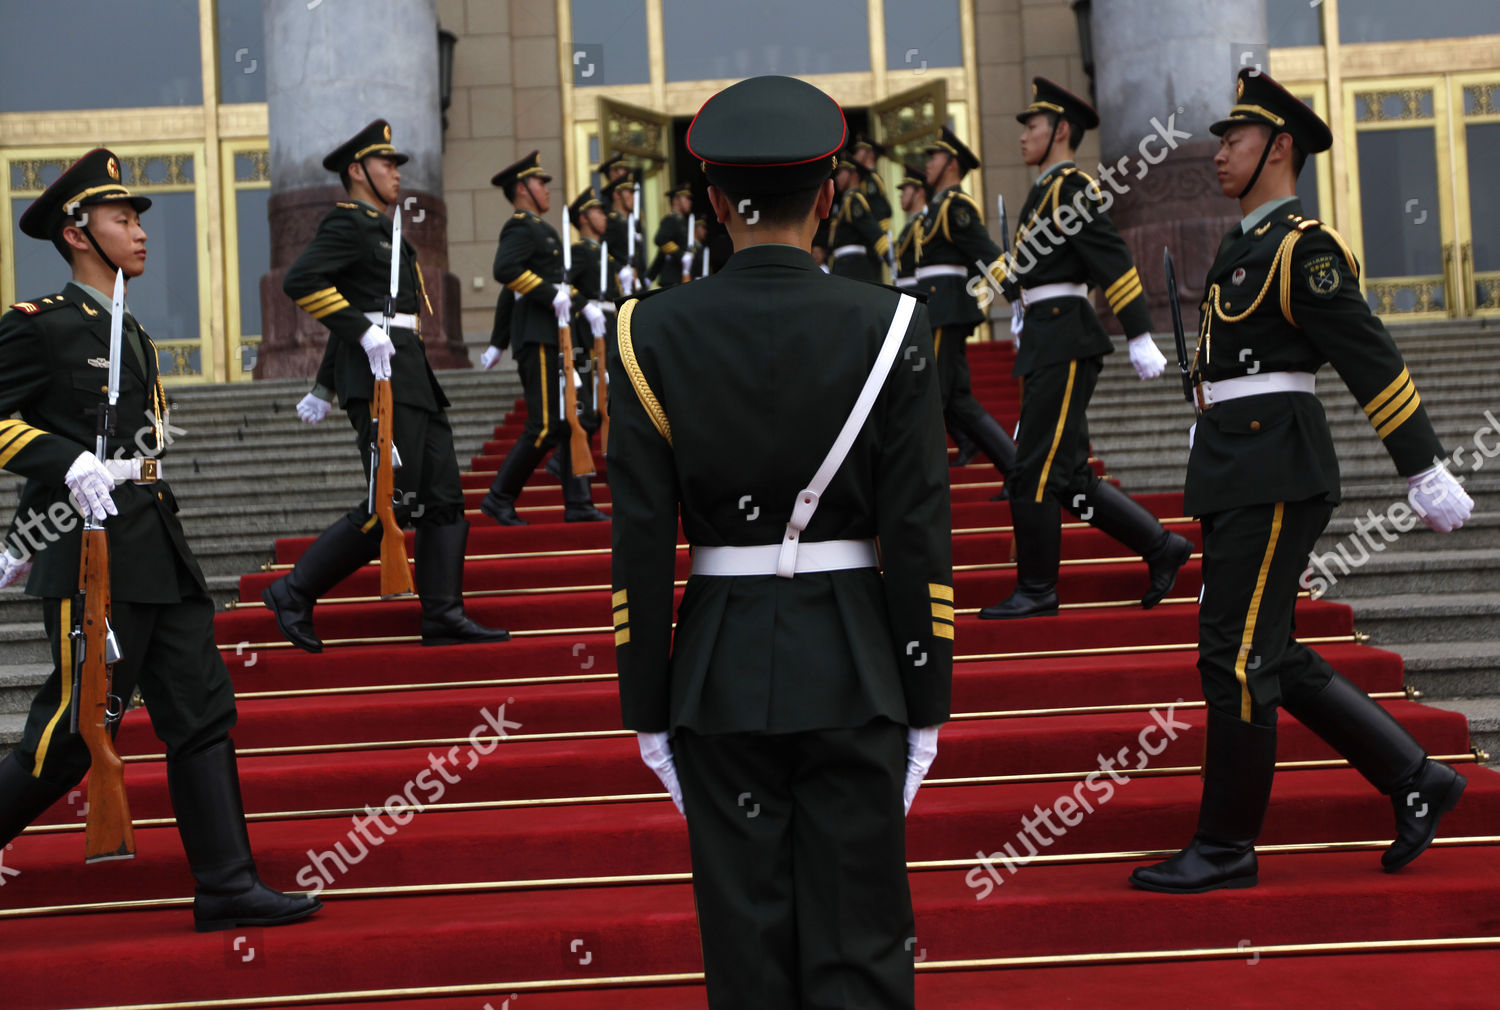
x: 1255, y: 426
x: 158, y: 496
x: 1055, y: 311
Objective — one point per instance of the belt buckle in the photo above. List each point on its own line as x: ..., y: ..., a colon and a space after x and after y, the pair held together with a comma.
x: 148, y: 470
x: 1204, y: 399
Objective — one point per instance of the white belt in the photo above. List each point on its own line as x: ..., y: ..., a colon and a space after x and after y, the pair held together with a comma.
x: 823, y: 556
x: 942, y: 270
x: 1210, y: 393
x: 1042, y: 292
x: 136, y: 470
x: 905, y: 282
x: 850, y: 250
x: 402, y: 320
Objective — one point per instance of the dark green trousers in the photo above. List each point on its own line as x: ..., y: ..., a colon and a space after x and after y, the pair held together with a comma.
x: 540, y: 371
x: 799, y: 867
x: 168, y: 650
x: 1052, y: 452
x: 1253, y: 559
x: 427, y: 486
x: 961, y: 410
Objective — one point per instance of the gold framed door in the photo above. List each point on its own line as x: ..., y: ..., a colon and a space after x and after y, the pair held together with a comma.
x: 1475, y: 105
x: 906, y: 123
x: 644, y: 137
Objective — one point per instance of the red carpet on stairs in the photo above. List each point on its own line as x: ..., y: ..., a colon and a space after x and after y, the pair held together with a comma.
x: 547, y: 871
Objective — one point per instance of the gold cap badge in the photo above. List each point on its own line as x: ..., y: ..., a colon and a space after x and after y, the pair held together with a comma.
x: 113, y: 168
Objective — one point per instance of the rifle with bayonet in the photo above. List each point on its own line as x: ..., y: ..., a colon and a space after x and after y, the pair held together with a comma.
x: 601, y: 388
x: 578, y: 447
x: 108, y: 832
x: 1183, y: 365
x: 395, y: 570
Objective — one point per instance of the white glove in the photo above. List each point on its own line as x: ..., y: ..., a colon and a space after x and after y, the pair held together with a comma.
x: 656, y: 751
x: 595, y: 315
x: 921, y: 749
x: 562, y: 305
x: 489, y: 357
x: 12, y: 569
x: 1148, y: 361
x: 313, y: 409
x: 380, y: 350
x: 627, y: 279
x: 91, y: 484
x: 1439, y: 499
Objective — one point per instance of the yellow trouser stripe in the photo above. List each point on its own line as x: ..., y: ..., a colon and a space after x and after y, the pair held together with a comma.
x: 541, y: 367
x: 937, y: 340
x: 17, y: 444
x: 1393, y: 404
x: 938, y: 591
x: 622, y: 637
x: 65, y: 672
x: 1062, y: 417
x: 1389, y: 391
x: 1400, y: 419
x: 1249, y: 635
x: 942, y: 630
x: 370, y: 523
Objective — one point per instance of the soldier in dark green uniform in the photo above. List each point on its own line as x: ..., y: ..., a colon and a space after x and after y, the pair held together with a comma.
x: 672, y: 238
x: 529, y: 263
x: 867, y: 154
x: 1061, y: 353
x: 859, y: 243
x: 342, y: 279
x: 1281, y: 299
x: 596, y: 305
x: 951, y: 244
x: 54, y: 368
x: 784, y: 699
x: 618, y: 196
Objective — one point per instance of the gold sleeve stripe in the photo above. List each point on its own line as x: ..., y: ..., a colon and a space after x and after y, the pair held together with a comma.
x: 1122, y: 283
x: 316, y: 296
x: 525, y: 282
x: 1394, y: 404
x: 1119, y: 297
x: 941, y: 630
x: 1379, y: 399
x: 648, y: 399
x: 670, y: 247
x: 883, y: 244
x: 337, y: 306
x: 619, y: 599
x: 1400, y: 418
x: 938, y: 591
x: 17, y: 444
x: 622, y: 637
x: 13, y: 430
x: 318, y: 303
x: 622, y: 617
x: 943, y: 611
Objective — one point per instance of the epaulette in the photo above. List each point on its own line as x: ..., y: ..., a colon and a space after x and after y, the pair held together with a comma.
x: 519, y: 214
x: 1308, y: 224
x: 347, y: 206
x: 41, y: 305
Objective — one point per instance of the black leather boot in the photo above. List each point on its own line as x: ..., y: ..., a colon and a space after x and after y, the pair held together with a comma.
x: 440, y: 581
x: 340, y: 550
x: 1107, y: 508
x: 1239, y: 763
x: 967, y: 450
x: 993, y: 441
x: 24, y: 798
x: 205, y: 789
x: 1038, y: 537
x: 500, y: 503
x: 1380, y: 748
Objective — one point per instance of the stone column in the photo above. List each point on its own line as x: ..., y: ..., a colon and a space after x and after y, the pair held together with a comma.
x: 1156, y: 60
x: 327, y: 77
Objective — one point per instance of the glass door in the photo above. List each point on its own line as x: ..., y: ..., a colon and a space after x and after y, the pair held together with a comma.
x: 1476, y: 144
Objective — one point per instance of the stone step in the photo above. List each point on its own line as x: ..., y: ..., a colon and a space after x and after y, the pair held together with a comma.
x: 18, y: 684
x: 1429, y: 617
x: 1468, y: 668
x: 1354, y: 571
x: 1484, y: 721
x: 22, y: 643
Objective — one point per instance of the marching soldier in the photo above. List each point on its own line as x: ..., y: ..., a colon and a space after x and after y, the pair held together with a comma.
x: 672, y: 238
x: 529, y: 263
x: 1062, y: 348
x: 1282, y: 298
x: 618, y: 196
x: 859, y: 242
x: 793, y: 692
x: 53, y: 366
x: 951, y: 242
x: 612, y: 170
x: 595, y: 305
x: 342, y: 280
x: 867, y: 154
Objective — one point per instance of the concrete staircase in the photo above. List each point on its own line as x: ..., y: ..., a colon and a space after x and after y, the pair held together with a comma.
x: 245, y: 471
x: 1434, y: 599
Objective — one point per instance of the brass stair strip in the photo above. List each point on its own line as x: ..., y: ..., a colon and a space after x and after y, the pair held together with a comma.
x: 680, y: 978
x: 647, y: 879
x: 602, y: 734
x: 1357, y: 638
x: 562, y: 801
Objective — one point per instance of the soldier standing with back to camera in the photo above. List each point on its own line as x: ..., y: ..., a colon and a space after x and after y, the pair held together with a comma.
x: 1062, y: 348
x: 342, y: 280
x: 800, y: 675
x: 1282, y: 298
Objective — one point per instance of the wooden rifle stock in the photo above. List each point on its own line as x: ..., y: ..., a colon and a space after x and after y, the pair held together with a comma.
x: 582, y: 455
x: 395, y: 571
x: 601, y: 385
x: 108, y: 832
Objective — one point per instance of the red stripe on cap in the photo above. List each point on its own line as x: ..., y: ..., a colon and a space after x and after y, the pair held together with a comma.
x: 769, y: 164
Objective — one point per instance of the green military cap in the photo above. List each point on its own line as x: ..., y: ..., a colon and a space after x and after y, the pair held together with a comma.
x: 1047, y: 96
x: 949, y: 143
x: 913, y: 177
x: 607, y: 191
x: 768, y: 135
x: 1259, y: 99
x: 373, y: 141
x: 582, y: 202
x: 681, y: 189
x: 93, y: 178
x: 609, y: 163
x: 525, y: 168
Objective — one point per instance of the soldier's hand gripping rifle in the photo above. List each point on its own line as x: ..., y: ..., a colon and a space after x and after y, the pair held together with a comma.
x: 108, y: 833
x: 395, y: 570
x: 578, y: 447
x: 1183, y: 365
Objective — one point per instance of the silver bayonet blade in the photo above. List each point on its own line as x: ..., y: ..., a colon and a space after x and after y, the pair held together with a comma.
x: 116, y: 332
x: 396, y: 254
